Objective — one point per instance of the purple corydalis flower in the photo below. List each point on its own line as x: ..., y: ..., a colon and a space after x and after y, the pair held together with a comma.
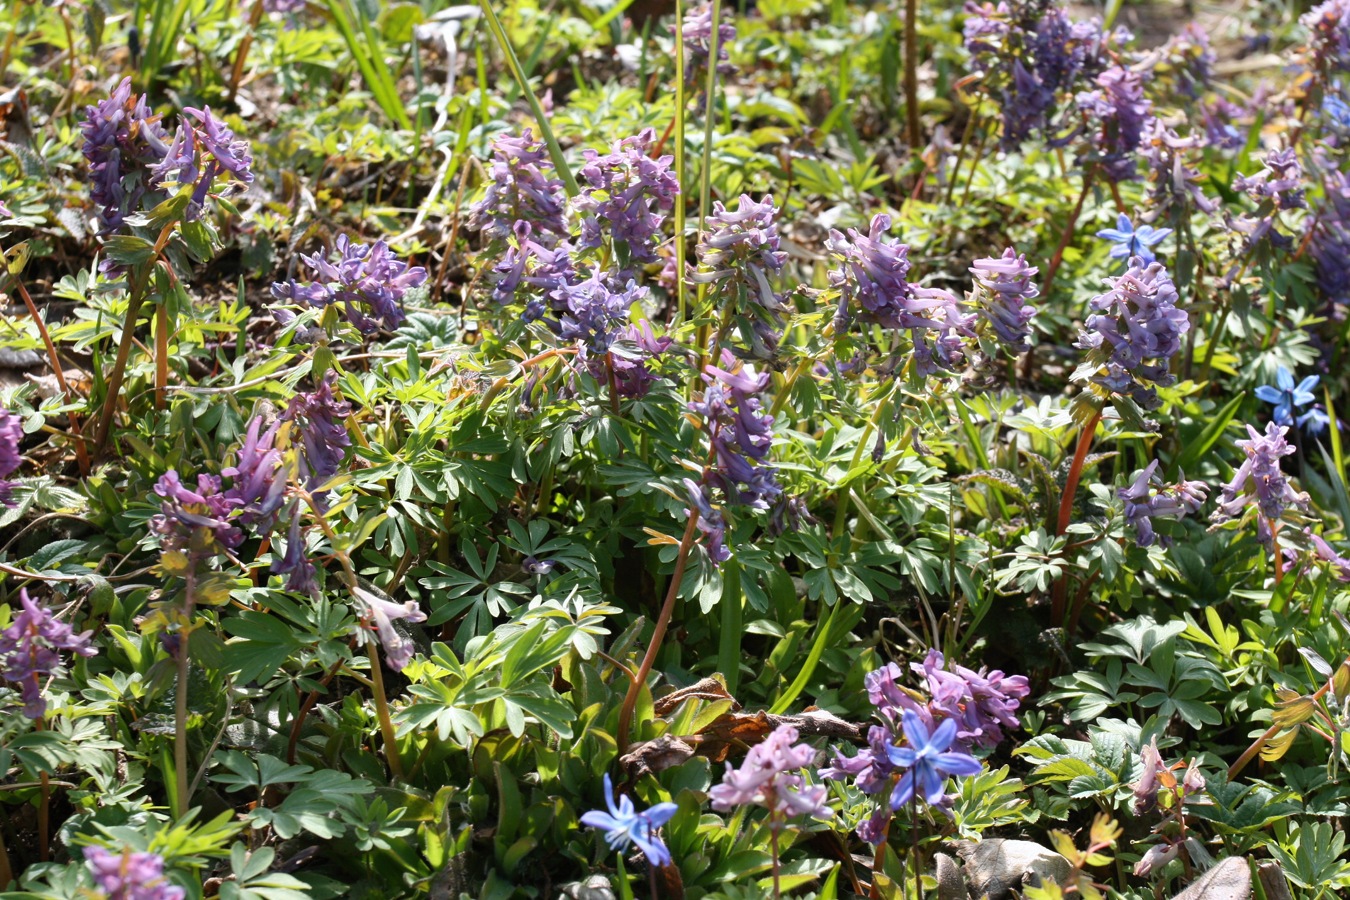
x: 873, y: 272
x: 1128, y: 242
x: 632, y: 349
x: 382, y: 613
x: 768, y: 778
x: 130, y: 875
x: 593, y: 310
x: 697, y: 31
x: 1329, y: 244
x: 621, y: 193
x: 301, y: 576
x: 1259, y: 480
x: 1171, y: 180
x: 624, y: 825
x: 1004, y: 287
x: 284, y: 6
x: 1337, y: 564
x: 122, y: 138
x: 1173, y: 502
x: 926, y: 761
x: 363, y: 276
x: 258, y: 485
x: 523, y: 189
x: 710, y: 522
x: 1279, y: 182
x: 319, y: 417
x: 199, y: 154
x: 740, y: 431
x: 1122, y: 111
x: 11, y: 436
x: 196, y: 522
x: 30, y: 648
x: 982, y: 703
x: 741, y: 247
x: 1134, y: 322
x: 1329, y: 40
x: 533, y: 264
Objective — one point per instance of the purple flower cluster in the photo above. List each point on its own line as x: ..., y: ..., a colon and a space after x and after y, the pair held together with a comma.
x: 1142, y: 503
x: 1337, y: 564
x: 631, y: 351
x: 130, y: 875
x: 1171, y: 181
x: 768, y: 778
x: 740, y: 431
x: 258, y: 482
x: 524, y: 189
x: 1134, y: 322
x: 363, y: 276
x: 1120, y: 111
x: 11, y: 436
x: 1003, y: 288
x: 593, y: 311
x: 197, y: 523
x: 872, y: 271
x: 1280, y: 181
x: 959, y: 708
x: 122, y: 139
x: 622, y: 192
x: 1329, y: 38
x: 1032, y: 53
x: 1259, y: 480
x: 741, y: 248
x: 1190, y: 59
x: 536, y: 265
x: 31, y: 648
x: 198, y: 155
x: 284, y: 6
x: 319, y: 418
x: 697, y: 31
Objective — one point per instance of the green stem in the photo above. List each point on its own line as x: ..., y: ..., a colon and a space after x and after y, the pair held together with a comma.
x: 773, y: 848
x: 681, y: 210
x: 382, y: 712
x: 912, y: 73
x: 180, y: 703
x: 659, y: 633
x: 705, y: 177
x: 536, y: 109
x: 808, y: 668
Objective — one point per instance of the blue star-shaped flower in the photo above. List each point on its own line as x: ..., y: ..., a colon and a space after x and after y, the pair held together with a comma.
x: 926, y: 761
x: 624, y: 825
x: 1337, y: 113
x: 1130, y: 241
x: 1288, y: 397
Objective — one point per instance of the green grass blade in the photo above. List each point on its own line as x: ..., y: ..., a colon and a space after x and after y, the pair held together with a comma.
x: 729, y: 641
x: 536, y: 108
x: 1195, y: 450
x: 784, y: 702
x: 681, y: 206
x: 371, y: 63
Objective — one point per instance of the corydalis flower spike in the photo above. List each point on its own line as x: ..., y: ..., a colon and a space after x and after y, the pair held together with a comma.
x: 360, y: 277
x: 621, y: 194
x: 523, y: 190
x: 1003, y: 288
x: 382, y: 613
x: 11, y: 436
x: 30, y: 648
x: 122, y: 139
x: 768, y: 778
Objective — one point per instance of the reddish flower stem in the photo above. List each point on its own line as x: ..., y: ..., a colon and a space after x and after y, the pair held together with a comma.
x: 1066, y: 507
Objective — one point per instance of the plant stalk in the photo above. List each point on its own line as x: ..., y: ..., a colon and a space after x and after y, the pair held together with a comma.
x: 658, y: 633
x: 1066, y: 507
x: 912, y: 73
x: 180, y: 704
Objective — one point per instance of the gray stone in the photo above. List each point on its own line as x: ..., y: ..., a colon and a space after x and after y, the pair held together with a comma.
x: 596, y: 887
x: 1229, y: 880
x: 951, y: 883
x: 997, y: 867
x: 1273, y: 882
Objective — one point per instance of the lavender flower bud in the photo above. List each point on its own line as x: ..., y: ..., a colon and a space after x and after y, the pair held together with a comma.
x: 318, y: 417
x: 382, y: 613
x: 1173, y: 502
x: 11, y: 436
x: 258, y: 485
x: 196, y: 523
x: 697, y: 30
x: 1259, y: 481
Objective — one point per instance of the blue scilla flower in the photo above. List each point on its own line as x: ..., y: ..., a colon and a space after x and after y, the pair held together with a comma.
x: 1289, y: 397
x: 1129, y: 241
x: 1337, y: 113
x: 926, y: 761
x: 624, y: 825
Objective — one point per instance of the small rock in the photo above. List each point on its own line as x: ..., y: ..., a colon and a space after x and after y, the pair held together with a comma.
x: 594, y: 888
x: 1273, y: 881
x: 1229, y: 880
x: 996, y: 867
x: 951, y: 883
